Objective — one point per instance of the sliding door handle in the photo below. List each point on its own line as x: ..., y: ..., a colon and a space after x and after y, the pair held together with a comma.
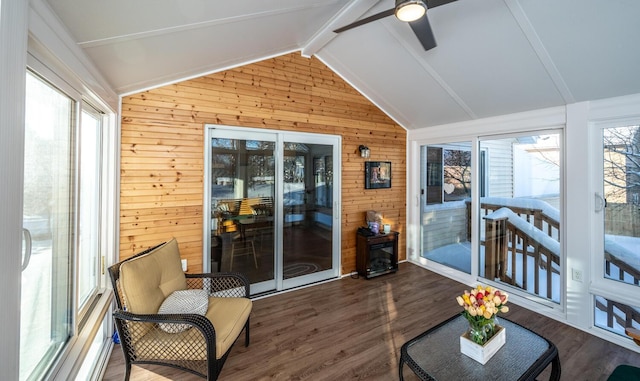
x: 601, y: 202
x: 26, y: 256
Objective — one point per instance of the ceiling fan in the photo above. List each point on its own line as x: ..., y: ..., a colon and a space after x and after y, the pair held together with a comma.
x: 411, y: 11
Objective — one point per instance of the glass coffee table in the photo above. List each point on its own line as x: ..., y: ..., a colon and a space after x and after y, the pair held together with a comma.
x: 435, y: 355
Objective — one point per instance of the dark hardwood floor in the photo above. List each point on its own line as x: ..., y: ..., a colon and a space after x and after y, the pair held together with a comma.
x: 352, y: 329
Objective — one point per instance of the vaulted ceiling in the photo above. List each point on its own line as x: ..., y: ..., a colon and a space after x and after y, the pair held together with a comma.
x: 494, y: 57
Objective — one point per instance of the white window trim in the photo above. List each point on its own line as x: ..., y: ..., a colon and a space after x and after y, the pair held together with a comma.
x: 13, y: 45
x: 52, y: 50
x: 598, y: 285
x: 86, y: 309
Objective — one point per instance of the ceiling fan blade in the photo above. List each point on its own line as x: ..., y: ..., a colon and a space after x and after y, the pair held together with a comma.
x: 437, y: 3
x: 422, y: 29
x: 366, y: 20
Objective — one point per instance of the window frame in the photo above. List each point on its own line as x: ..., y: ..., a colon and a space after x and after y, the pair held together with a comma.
x: 559, y: 306
x: 84, y: 309
x: 86, y: 322
x: 600, y: 285
x: 63, y: 301
x: 428, y: 174
x: 522, y: 125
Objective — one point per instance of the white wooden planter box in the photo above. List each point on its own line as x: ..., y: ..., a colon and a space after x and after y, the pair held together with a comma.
x: 482, y: 353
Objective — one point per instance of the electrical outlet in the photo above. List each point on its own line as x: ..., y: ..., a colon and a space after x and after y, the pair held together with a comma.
x: 184, y: 264
x: 576, y: 275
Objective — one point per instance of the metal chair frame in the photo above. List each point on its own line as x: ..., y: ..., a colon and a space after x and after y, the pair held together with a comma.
x: 202, y: 333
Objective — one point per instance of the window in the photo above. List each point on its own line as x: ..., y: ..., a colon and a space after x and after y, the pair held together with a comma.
x: 617, y: 210
x: 434, y: 175
x: 62, y: 281
x: 520, y: 217
x: 49, y: 221
x: 448, y: 174
x: 89, y: 259
x: 446, y: 227
x: 615, y: 316
x: 457, y: 174
x: 621, y: 187
x: 517, y: 215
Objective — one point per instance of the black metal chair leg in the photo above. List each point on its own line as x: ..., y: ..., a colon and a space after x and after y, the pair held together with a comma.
x: 127, y: 372
x: 246, y: 332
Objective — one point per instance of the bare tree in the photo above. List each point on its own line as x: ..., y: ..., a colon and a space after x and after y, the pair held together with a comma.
x: 457, y: 171
x: 622, y: 163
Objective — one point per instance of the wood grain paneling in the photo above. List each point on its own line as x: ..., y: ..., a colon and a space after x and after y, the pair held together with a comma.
x: 162, y: 154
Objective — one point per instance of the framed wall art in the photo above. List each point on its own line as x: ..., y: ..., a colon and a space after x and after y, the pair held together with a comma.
x: 377, y: 174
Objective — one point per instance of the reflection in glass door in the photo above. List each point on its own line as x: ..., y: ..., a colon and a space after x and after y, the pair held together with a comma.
x: 273, y: 206
x: 242, y: 205
x: 307, y: 217
x: 45, y: 324
x: 446, y: 195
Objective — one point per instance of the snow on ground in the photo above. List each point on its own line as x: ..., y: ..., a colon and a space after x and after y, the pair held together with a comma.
x: 458, y: 255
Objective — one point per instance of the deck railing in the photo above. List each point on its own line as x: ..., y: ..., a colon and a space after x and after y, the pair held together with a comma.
x: 622, y: 265
x: 618, y: 313
x: 521, y: 233
x: 507, y: 236
x: 512, y: 231
x: 536, y: 212
x: 618, y: 258
x: 528, y: 228
x: 624, y: 268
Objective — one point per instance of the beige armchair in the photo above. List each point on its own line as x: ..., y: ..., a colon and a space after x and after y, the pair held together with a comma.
x: 202, y: 314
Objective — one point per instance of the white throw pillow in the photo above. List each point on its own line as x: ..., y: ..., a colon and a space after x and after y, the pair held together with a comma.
x: 183, y: 302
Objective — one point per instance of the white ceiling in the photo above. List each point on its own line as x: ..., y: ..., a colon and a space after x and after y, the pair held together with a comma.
x: 494, y: 57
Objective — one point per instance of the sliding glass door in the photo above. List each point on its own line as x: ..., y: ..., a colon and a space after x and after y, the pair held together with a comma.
x: 271, y: 213
x: 308, y: 251
x: 46, y: 321
x: 505, y: 226
x: 242, y: 183
x: 520, y: 214
x: 446, y: 204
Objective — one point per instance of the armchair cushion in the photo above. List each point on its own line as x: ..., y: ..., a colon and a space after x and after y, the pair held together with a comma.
x: 184, y: 302
x: 146, y: 281
x: 228, y: 316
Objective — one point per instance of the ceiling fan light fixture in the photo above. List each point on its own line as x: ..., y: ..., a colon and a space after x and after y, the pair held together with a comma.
x: 410, y: 10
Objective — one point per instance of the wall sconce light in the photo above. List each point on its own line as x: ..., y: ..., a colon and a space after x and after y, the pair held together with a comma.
x: 365, y: 152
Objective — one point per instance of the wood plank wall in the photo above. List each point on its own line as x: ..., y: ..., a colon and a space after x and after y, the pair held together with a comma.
x: 162, y: 153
